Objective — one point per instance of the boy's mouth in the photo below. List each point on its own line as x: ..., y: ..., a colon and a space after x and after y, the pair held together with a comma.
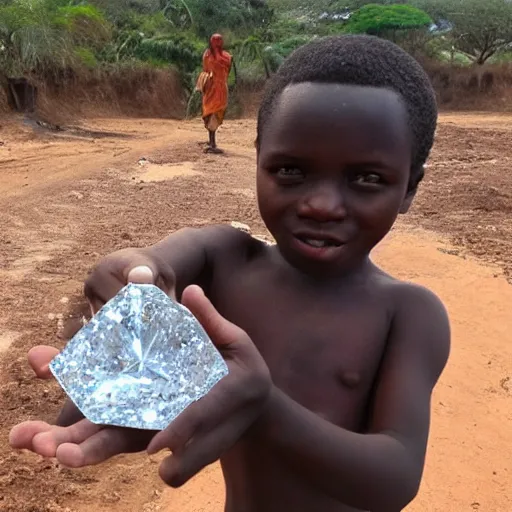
x: 319, y: 243
x: 318, y: 246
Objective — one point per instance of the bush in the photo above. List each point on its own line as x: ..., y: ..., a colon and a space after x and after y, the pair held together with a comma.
x: 375, y: 19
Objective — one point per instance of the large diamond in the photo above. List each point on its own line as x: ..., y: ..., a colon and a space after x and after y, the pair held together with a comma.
x: 139, y: 362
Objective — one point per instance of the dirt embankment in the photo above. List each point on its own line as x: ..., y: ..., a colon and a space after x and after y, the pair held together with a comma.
x: 141, y: 91
x: 487, y: 87
x: 137, y: 91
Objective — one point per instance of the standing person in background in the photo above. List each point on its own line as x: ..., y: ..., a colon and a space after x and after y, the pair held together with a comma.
x: 213, y: 84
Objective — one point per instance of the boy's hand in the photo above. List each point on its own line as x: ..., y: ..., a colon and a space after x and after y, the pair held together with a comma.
x: 211, y: 426
x: 81, y: 444
x: 123, y: 267
x: 198, y: 437
x: 39, y: 359
x: 110, y: 275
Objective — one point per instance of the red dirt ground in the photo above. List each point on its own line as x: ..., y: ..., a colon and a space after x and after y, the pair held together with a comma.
x: 68, y: 198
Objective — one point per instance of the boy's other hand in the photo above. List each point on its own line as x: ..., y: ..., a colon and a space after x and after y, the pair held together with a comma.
x: 123, y: 267
x: 212, y: 425
x: 80, y: 444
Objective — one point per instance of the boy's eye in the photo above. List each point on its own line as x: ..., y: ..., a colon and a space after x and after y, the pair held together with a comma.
x: 368, y: 179
x: 289, y: 174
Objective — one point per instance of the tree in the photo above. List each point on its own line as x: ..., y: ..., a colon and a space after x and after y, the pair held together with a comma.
x: 481, y: 28
x: 387, y: 20
x: 227, y: 15
x: 178, y: 12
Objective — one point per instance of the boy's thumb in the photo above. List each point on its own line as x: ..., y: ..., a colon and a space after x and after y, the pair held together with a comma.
x: 220, y: 331
x: 141, y: 274
x: 40, y: 358
x: 148, y: 274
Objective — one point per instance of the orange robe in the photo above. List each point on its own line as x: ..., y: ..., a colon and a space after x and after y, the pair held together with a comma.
x: 215, y: 93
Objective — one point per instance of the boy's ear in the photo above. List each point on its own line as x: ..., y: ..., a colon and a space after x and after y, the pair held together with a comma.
x: 408, y: 199
x: 417, y: 176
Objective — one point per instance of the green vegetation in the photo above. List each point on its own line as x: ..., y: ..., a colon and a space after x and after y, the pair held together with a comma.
x: 481, y: 29
x: 384, y: 20
x: 48, y: 37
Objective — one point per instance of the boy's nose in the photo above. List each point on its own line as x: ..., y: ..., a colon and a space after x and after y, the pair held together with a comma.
x: 324, y: 204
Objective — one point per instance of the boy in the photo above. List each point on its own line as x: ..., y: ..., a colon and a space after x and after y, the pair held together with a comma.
x: 332, y: 361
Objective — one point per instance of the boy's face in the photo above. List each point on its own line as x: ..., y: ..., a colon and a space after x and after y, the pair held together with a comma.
x: 333, y: 173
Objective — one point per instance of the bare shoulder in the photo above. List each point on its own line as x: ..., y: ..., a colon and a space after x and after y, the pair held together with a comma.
x: 227, y: 242
x: 420, y: 323
x: 413, y: 297
x: 409, y: 297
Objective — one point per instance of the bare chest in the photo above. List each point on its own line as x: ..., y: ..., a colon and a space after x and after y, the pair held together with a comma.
x: 323, y: 351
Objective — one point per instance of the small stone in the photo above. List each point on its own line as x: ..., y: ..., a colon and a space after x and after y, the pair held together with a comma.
x: 76, y: 194
x: 139, y: 362
x: 64, y: 300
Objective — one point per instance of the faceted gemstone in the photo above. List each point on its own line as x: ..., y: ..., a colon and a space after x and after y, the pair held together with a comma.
x: 139, y: 362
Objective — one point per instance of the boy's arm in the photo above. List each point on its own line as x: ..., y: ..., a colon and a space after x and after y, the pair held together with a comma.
x: 381, y: 470
x: 183, y: 258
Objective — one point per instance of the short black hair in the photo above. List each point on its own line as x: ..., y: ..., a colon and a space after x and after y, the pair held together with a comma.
x: 368, y: 61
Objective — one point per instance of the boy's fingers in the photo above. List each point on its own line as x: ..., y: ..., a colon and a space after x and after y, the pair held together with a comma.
x: 82, y: 444
x: 70, y: 455
x: 98, y: 295
x: 103, y: 445
x: 179, y: 432
x: 221, y: 332
x: 21, y: 436
x: 39, y: 359
x: 47, y: 443
x: 95, y: 305
x: 105, y: 284
x: 44, y: 439
x: 179, y: 468
x: 141, y: 274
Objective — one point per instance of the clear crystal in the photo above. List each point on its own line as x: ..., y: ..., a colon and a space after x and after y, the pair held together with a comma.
x: 139, y: 362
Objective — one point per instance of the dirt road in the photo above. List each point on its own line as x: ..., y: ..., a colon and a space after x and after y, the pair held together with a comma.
x: 67, y: 198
